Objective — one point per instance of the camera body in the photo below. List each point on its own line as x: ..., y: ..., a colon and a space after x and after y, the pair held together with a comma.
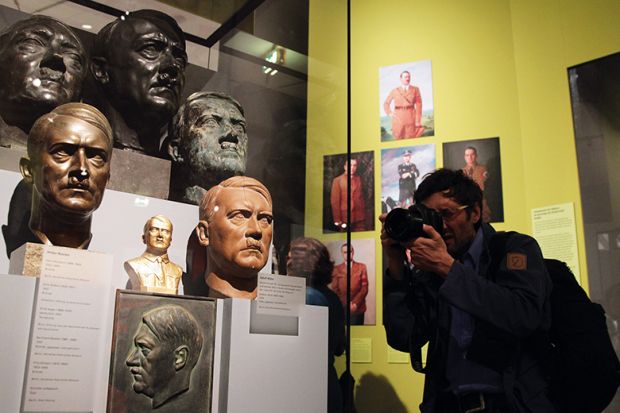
x: 405, y: 225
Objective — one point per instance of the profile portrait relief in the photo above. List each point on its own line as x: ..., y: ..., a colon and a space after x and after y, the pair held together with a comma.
x: 406, y: 101
x: 153, y: 271
x: 208, y: 143
x: 162, y: 353
x: 138, y: 64
x: 43, y: 65
x: 166, y: 348
x: 236, y: 229
x: 68, y: 167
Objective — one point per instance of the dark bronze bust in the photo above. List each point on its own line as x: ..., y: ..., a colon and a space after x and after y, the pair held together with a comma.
x: 68, y: 166
x: 43, y: 65
x: 139, y: 64
x: 208, y: 144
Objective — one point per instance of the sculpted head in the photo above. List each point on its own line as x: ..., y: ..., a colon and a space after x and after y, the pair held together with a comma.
x: 166, y: 348
x: 236, y: 226
x: 157, y: 234
x: 209, y: 137
x: 69, y: 151
x: 43, y: 64
x: 139, y: 61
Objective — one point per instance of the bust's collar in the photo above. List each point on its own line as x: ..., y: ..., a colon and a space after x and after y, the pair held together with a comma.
x: 153, y: 257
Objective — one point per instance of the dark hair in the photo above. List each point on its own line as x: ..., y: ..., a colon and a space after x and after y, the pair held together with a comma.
x: 454, y: 185
x: 309, y: 258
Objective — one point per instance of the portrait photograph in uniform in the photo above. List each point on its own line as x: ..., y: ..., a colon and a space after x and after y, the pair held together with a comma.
x: 406, y: 101
x: 402, y: 170
x: 480, y: 160
x: 335, y: 184
x: 361, y: 252
x: 162, y: 353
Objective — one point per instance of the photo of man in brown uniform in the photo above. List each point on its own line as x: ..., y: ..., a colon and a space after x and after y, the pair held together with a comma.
x: 406, y: 112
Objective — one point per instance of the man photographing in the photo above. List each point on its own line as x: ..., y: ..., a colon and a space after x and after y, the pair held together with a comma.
x: 475, y: 316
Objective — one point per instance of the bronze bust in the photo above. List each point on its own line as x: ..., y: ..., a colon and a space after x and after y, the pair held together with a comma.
x: 43, y: 65
x: 153, y: 271
x: 235, y: 227
x: 139, y: 62
x: 208, y: 143
x: 166, y: 348
x: 68, y: 165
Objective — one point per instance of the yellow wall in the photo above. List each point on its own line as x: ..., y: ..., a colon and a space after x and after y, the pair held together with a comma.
x: 499, y: 69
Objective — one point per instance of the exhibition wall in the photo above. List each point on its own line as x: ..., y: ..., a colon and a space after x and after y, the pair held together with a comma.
x: 499, y: 69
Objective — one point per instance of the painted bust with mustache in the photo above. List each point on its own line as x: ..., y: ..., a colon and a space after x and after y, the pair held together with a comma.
x: 235, y: 227
x: 208, y: 143
x: 139, y: 65
x: 43, y: 65
x: 68, y: 166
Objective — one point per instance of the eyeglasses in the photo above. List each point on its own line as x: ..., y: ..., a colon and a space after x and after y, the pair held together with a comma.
x: 449, y: 215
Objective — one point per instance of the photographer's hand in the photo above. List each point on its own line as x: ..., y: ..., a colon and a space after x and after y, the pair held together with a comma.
x: 431, y: 254
x: 395, y: 252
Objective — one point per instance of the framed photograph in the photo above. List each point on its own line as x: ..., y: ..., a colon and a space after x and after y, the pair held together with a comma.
x: 363, y: 279
x: 362, y: 192
x: 162, y: 353
x: 406, y: 101
x: 402, y: 169
x: 480, y: 159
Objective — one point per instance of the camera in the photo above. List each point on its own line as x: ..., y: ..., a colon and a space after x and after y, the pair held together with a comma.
x: 405, y: 225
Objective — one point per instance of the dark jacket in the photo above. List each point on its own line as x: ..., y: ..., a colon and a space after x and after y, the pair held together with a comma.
x: 508, y: 307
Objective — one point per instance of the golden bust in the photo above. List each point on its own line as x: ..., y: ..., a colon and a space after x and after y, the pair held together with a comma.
x: 153, y: 271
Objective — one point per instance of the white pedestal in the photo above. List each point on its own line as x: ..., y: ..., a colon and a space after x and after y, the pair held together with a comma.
x: 16, y: 298
x: 270, y: 372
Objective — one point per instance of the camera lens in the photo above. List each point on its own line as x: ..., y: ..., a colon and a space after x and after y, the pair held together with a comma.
x: 403, y: 224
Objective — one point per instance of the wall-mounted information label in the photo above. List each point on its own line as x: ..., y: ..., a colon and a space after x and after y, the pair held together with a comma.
x: 361, y: 350
x: 66, y: 343
x: 280, y: 295
x: 554, y: 229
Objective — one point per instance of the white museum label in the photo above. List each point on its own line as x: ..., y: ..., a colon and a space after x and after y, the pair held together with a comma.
x: 66, y: 340
x: 554, y: 229
x: 361, y: 350
x: 280, y: 294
